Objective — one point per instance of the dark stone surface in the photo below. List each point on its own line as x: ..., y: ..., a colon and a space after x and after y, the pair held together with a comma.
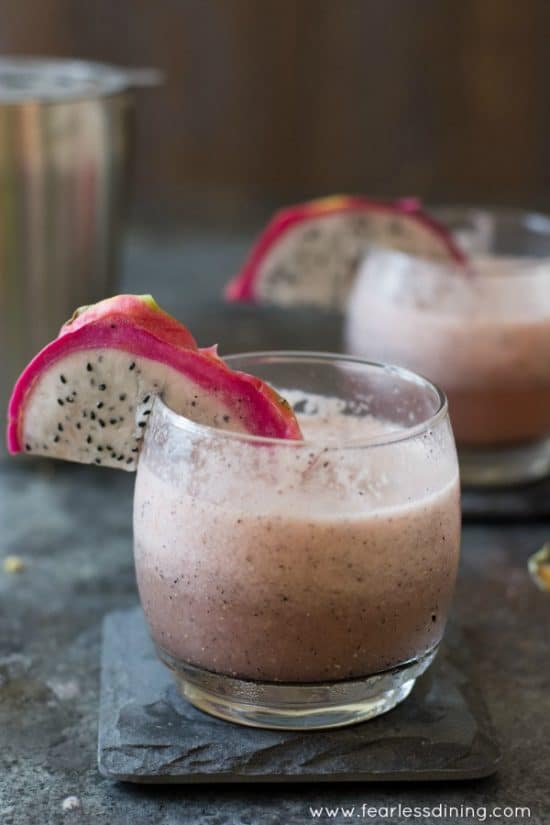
x: 530, y: 501
x: 71, y: 525
x: 148, y: 732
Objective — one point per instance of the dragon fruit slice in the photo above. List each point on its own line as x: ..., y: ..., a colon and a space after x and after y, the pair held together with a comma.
x: 309, y: 254
x: 87, y: 395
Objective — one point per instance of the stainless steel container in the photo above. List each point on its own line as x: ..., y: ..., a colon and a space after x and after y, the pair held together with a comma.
x: 66, y: 141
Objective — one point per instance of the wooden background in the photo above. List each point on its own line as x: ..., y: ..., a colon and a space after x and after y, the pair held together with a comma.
x: 267, y: 101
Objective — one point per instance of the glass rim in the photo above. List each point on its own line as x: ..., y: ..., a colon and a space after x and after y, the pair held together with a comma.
x: 84, y: 81
x: 385, y: 439
x: 519, y: 268
x: 532, y: 222
x: 541, y: 220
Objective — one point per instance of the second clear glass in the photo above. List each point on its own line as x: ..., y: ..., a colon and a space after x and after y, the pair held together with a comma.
x: 482, y: 334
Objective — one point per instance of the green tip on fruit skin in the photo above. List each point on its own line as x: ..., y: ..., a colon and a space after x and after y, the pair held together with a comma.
x: 77, y: 313
x: 150, y: 301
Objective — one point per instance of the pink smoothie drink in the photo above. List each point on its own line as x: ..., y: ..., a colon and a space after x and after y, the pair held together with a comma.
x: 482, y: 335
x: 325, y: 560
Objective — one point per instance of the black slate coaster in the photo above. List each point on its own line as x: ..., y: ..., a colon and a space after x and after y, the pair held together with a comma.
x: 149, y: 733
x: 527, y: 501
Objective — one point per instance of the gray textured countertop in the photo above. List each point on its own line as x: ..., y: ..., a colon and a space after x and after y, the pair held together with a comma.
x: 71, y: 526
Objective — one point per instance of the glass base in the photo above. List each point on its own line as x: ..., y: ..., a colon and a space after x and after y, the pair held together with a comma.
x: 294, y: 706
x: 504, y: 466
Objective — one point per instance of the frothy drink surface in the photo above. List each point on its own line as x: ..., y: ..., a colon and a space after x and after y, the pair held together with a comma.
x: 300, y: 562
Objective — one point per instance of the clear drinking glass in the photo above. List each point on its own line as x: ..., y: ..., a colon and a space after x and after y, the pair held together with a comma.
x: 482, y: 334
x: 302, y: 584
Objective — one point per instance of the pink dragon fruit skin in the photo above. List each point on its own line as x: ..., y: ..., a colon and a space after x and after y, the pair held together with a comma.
x: 139, y: 310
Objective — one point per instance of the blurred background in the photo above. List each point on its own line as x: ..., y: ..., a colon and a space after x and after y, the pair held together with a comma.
x: 279, y: 100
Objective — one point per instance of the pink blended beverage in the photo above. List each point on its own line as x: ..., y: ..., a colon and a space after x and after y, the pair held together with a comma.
x: 296, y: 564
x: 483, y: 335
x: 485, y: 340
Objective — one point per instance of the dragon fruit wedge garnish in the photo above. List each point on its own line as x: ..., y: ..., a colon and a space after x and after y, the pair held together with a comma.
x: 309, y: 254
x: 87, y: 395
